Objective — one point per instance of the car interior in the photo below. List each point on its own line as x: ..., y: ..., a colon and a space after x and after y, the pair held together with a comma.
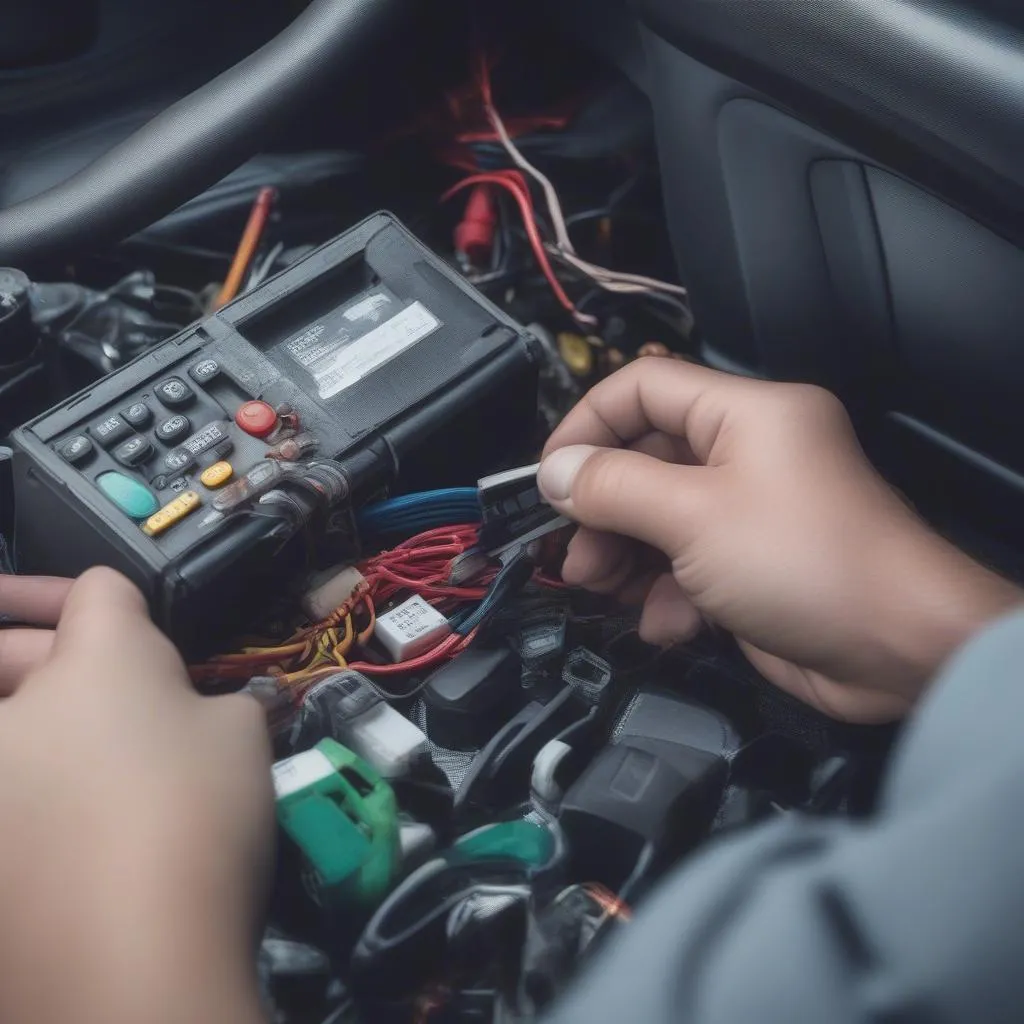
x: 294, y: 293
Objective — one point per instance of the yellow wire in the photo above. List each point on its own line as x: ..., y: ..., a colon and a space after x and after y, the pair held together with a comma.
x: 345, y: 644
x: 283, y: 652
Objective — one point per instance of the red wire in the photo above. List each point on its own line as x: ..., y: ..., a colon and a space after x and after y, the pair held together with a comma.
x: 448, y: 648
x: 521, y: 194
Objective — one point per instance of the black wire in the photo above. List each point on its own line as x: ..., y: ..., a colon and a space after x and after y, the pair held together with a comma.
x: 509, y: 581
x: 615, y: 199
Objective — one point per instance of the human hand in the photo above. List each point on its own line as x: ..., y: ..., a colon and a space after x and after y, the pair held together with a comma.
x: 750, y: 504
x: 137, y: 818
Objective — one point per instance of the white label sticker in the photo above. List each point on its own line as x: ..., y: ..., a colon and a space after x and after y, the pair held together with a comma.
x: 361, y: 357
x: 415, y: 618
x: 314, y: 344
x: 300, y: 771
x: 369, y: 309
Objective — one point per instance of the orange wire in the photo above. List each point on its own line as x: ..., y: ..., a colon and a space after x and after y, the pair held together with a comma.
x: 258, y: 217
x: 608, y: 901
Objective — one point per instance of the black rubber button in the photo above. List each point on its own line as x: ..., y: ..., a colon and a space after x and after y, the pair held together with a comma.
x: 133, y: 451
x: 77, y: 450
x: 139, y: 415
x: 174, y: 393
x: 173, y: 429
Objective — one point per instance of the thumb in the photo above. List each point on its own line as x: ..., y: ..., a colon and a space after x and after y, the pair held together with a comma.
x: 625, y: 492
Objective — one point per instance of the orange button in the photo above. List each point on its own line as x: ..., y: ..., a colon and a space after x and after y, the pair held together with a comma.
x: 216, y: 475
x: 256, y: 418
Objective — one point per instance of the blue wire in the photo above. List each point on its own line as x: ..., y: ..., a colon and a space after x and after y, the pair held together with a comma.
x: 414, y: 513
x: 459, y: 495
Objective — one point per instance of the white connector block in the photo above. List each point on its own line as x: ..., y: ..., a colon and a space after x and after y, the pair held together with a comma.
x: 330, y: 590
x: 411, y: 629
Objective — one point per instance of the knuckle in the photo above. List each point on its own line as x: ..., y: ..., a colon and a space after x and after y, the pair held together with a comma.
x: 812, y: 401
x: 103, y: 578
x: 632, y: 374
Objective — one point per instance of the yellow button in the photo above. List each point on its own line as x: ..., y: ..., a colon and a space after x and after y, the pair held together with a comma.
x: 216, y: 475
x: 173, y: 512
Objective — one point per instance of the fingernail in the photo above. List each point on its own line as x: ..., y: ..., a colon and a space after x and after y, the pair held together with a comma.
x: 559, y: 469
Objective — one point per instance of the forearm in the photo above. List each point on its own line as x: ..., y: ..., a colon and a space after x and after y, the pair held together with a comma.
x: 936, y: 599
x: 914, y: 914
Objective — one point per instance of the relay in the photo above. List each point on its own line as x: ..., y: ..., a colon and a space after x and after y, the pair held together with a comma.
x: 209, y: 468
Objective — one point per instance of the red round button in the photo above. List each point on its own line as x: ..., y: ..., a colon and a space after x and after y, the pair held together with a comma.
x: 256, y: 418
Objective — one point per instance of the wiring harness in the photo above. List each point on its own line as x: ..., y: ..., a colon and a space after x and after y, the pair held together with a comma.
x: 421, y: 565
x: 414, y: 513
x: 467, y: 155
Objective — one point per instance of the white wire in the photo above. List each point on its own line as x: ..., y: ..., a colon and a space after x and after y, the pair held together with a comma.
x: 606, y: 278
x: 550, y: 195
x: 610, y: 280
x: 260, y: 274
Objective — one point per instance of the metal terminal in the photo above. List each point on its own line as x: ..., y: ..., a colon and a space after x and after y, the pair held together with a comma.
x: 325, y: 479
x: 293, y: 449
x: 261, y: 478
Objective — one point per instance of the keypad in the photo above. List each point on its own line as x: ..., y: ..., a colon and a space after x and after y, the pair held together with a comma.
x: 173, y: 429
x: 110, y: 430
x: 174, y: 393
x: 173, y: 438
x: 134, y: 451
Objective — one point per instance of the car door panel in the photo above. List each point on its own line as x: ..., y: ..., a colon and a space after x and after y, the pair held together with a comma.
x: 865, y: 238
x: 935, y: 85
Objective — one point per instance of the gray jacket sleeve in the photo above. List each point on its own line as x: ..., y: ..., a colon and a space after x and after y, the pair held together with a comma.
x: 917, y: 915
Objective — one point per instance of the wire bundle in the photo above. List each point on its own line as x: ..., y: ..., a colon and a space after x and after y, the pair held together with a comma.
x: 420, y: 565
x: 561, y: 248
x: 414, y: 513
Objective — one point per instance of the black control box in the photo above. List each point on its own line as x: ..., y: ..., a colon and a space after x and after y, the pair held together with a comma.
x: 210, y: 468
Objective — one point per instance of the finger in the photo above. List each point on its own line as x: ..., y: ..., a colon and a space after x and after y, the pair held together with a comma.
x: 106, y: 620
x: 678, y: 399
x: 669, y: 616
x: 659, y: 445
x: 599, y: 562
x: 627, y: 493
x: 21, y: 652
x: 854, y: 704
x: 605, y: 563
x: 634, y: 592
x: 35, y: 599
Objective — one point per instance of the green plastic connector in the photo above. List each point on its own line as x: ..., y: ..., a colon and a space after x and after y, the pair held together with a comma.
x: 343, y: 817
x: 518, y: 840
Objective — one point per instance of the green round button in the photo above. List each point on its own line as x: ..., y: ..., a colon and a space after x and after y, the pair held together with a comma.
x: 131, y: 497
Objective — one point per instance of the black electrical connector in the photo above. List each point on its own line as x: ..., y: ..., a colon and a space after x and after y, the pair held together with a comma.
x: 470, y: 698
